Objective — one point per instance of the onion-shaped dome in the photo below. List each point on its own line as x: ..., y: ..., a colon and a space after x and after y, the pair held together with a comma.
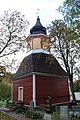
x: 38, y: 28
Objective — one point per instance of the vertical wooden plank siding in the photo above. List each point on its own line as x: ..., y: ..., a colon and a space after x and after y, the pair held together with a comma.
x: 55, y: 87
x: 26, y: 83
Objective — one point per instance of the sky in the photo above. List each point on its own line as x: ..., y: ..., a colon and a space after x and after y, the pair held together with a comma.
x: 29, y: 8
x: 47, y: 12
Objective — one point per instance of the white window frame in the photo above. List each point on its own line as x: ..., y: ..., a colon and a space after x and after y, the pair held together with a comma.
x: 19, y: 93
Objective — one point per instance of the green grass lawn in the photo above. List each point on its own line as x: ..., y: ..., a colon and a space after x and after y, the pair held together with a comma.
x: 4, y: 116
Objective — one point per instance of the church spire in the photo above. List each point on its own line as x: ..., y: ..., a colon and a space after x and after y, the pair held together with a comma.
x: 38, y: 28
x: 38, y: 39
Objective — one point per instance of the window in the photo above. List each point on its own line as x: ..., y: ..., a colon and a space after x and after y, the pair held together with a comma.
x: 20, y: 93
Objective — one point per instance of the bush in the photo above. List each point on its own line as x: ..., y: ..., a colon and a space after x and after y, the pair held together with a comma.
x: 5, y: 91
x: 33, y: 115
x: 2, y: 102
x: 19, y: 110
x: 36, y: 115
x: 28, y: 113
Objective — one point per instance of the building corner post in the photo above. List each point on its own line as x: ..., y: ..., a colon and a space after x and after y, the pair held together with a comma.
x: 34, y: 89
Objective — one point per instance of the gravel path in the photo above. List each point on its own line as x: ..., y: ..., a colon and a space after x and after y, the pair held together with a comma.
x: 13, y: 114
x: 18, y: 116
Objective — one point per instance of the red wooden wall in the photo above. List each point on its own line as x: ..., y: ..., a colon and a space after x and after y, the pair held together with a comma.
x: 26, y: 83
x: 56, y: 87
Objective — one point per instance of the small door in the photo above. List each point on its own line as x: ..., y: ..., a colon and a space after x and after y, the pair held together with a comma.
x: 20, y: 93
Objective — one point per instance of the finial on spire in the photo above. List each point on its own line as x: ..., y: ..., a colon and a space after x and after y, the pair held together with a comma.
x: 37, y: 12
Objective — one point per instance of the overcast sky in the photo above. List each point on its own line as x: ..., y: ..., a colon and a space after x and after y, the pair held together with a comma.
x: 47, y: 12
x: 29, y: 8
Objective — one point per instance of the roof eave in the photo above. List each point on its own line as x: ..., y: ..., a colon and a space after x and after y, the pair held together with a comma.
x: 39, y: 73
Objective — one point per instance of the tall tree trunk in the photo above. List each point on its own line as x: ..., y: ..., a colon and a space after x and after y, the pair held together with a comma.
x: 72, y: 88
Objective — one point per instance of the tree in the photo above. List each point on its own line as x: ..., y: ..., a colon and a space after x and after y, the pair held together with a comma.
x: 71, y: 10
x: 76, y: 86
x: 5, y: 83
x: 5, y: 91
x: 66, y: 36
x: 64, y: 45
x: 2, y: 73
x: 13, y: 31
x: 71, y: 14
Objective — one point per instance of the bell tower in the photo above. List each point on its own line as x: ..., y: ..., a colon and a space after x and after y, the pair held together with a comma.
x: 38, y: 76
x: 38, y: 39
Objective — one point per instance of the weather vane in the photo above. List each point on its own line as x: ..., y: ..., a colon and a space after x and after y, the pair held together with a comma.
x: 37, y: 12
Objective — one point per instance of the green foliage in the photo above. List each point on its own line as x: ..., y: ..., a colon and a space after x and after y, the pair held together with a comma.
x: 2, y: 102
x: 8, y: 102
x: 5, y: 91
x: 19, y: 110
x: 77, y: 87
x: 1, y: 78
x: 71, y: 9
x: 28, y: 113
x: 71, y: 14
x: 59, y: 30
x: 33, y: 115
x: 36, y: 116
x: 64, y: 42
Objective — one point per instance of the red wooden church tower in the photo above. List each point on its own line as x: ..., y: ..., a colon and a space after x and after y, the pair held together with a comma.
x: 38, y: 76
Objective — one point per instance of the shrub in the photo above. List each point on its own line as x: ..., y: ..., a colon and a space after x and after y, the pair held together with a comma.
x: 28, y: 113
x: 33, y: 115
x: 19, y: 110
x: 36, y: 115
x: 5, y: 91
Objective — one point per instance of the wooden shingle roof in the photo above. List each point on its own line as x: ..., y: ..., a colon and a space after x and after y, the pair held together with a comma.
x: 39, y: 63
